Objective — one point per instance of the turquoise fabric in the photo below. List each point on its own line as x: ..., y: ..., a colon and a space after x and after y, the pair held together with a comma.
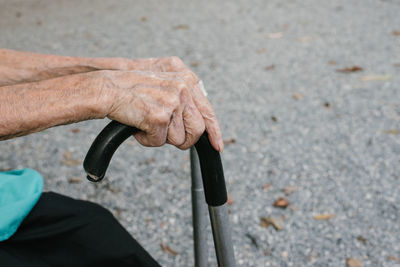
x: 19, y: 192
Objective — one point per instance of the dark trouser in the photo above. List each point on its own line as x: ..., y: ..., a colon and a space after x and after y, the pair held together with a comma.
x: 61, y: 231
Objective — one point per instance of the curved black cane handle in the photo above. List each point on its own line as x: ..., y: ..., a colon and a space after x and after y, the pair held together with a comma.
x: 114, y: 134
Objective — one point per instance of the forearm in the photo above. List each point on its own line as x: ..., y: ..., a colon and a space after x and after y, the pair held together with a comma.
x: 22, y: 67
x: 32, y: 107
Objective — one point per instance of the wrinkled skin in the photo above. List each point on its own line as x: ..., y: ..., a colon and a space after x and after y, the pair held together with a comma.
x: 160, y: 96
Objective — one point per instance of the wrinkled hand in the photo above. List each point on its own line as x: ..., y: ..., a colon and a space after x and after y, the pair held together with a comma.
x: 169, y: 107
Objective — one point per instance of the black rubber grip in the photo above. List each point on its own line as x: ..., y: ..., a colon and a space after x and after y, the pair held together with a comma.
x: 106, y: 143
x: 114, y: 134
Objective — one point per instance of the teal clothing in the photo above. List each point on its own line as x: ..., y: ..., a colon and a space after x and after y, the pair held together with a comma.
x: 19, y: 192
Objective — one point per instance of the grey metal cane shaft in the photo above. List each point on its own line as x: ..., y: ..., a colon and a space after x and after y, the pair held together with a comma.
x: 222, y: 236
x: 199, y: 212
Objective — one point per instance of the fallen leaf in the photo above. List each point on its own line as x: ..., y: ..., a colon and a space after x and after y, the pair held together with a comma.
x: 362, y: 239
x: 274, y: 119
x: 229, y: 141
x: 261, y: 50
x: 266, y: 186
x: 74, y: 180
x: 194, y: 64
x: 267, y: 221
x: 149, y: 161
x: 75, y: 130
x: 350, y: 69
x: 395, y: 33
x: 394, y: 132
x: 305, y: 39
x: 275, y: 35
x: 376, y: 78
x: 165, y: 169
x: 281, y: 203
x: 353, y: 262
x: 325, y: 216
x: 181, y: 27
x: 252, y: 239
x: 168, y: 249
x: 332, y: 62
x: 297, y: 96
x: 270, y: 67
x: 143, y: 18
x: 393, y: 258
x: 327, y: 105
x: 230, y: 200
x: 289, y: 190
x: 68, y: 160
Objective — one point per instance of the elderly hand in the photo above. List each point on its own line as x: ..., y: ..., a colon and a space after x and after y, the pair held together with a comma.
x: 169, y: 107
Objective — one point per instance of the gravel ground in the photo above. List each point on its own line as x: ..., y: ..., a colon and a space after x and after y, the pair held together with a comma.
x: 270, y: 68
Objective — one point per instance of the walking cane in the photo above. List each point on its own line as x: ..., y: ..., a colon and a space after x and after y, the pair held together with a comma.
x: 114, y: 134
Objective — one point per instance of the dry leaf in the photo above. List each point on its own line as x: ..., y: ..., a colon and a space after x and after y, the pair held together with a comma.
x: 376, y: 78
x: 261, y: 50
x: 252, y: 239
x: 74, y: 180
x: 229, y: 141
x: 181, y: 27
x: 68, y: 160
x: 75, y: 130
x: 267, y: 221
x: 297, y: 96
x: 289, y: 190
x: 149, y: 161
x: 270, y: 67
x: 353, y: 262
x: 332, y: 62
x: 281, y: 203
x: 230, y: 200
x: 274, y: 119
x: 194, y: 64
x: 393, y: 258
x: 327, y: 105
x: 350, y: 69
x: 362, y: 239
x: 305, y: 39
x: 396, y: 33
x: 168, y: 249
x: 275, y: 35
x: 143, y: 19
x: 394, y: 132
x: 325, y: 216
x: 266, y: 186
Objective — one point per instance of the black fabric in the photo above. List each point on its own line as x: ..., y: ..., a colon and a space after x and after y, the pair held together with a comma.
x: 61, y: 231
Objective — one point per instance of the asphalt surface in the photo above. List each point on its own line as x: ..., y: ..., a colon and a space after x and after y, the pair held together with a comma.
x: 270, y: 68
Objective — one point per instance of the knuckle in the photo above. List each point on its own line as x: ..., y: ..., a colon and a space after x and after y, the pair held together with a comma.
x: 176, y: 61
x: 160, y: 117
x: 173, y: 101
